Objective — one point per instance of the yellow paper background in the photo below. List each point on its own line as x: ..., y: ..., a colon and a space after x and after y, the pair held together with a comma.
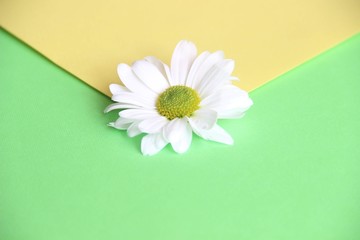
x: 266, y: 38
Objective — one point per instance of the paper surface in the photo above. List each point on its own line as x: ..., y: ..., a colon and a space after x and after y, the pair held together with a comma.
x: 266, y: 38
x: 293, y: 172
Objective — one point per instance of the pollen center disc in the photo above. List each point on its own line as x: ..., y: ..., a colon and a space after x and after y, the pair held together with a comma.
x: 177, y: 102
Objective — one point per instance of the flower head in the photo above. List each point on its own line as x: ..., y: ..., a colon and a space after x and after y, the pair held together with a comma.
x: 168, y: 104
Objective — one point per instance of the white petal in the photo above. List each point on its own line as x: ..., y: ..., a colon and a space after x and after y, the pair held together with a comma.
x: 119, y: 106
x: 215, y: 78
x: 133, y: 129
x: 153, y: 125
x: 132, y: 82
x: 181, y: 61
x: 208, y: 63
x: 204, y: 118
x: 117, y: 89
x: 138, y: 114
x: 162, y: 67
x: 121, y: 123
x: 227, y: 65
x: 232, y: 113
x: 179, y: 133
x: 216, y: 133
x: 150, y: 75
x: 191, y: 78
x: 170, y: 130
x: 183, y: 143
x: 152, y: 144
x: 228, y: 102
x: 135, y: 99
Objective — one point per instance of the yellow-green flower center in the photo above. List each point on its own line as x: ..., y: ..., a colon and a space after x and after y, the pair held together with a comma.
x: 177, y: 102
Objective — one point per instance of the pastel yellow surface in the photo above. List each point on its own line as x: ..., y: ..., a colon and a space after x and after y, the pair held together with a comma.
x: 266, y: 38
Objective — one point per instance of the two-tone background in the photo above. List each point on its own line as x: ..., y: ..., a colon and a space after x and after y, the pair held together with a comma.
x: 293, y: 172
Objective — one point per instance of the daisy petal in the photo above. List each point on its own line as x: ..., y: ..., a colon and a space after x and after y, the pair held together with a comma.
x: 216, y: 134
x: 119, y: 106
x: 191, y: 78
x: 135, y: 99
x: 183, y: 143
x: 232, y: 113
x: 138, y: 114
x: 228, y: 102
x: 178, y: 132
x: 181, y: 61
x: 162, y: 67
x: 122, y: 123
x: 215, y: 78
x: 152, y: 144
x: 133, y: 130
x: 207, y: 64
x: 150, y: 75
x: 227, y: 65
x: 153, y: 125
x: 204, y: 118
x: 117, y: 89
x: 173, y: 129
x: 132, y: 82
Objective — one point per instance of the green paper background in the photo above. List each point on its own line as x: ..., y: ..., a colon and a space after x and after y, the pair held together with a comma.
x: 293, y: 173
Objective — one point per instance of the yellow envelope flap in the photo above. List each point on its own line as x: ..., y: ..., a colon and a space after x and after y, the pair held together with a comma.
x: 266, y: 38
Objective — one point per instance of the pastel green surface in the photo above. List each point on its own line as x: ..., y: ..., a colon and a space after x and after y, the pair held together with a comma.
x: 293, y: 173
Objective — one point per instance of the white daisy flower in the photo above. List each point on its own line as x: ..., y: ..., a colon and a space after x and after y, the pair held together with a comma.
x: 168, y: 104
